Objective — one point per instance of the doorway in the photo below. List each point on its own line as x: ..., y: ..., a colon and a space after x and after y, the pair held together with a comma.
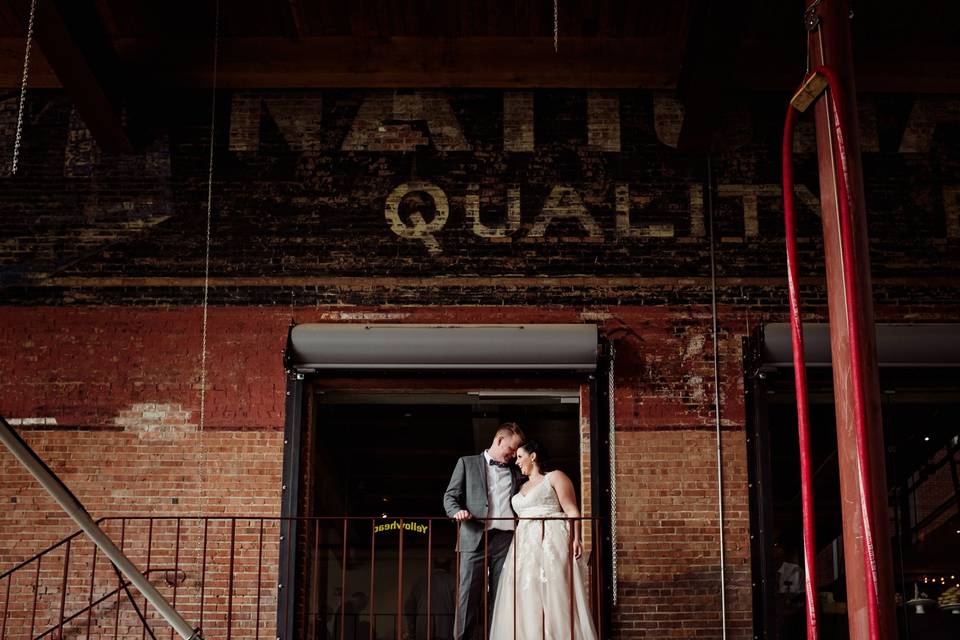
x: 384, y: 458
x: 920, y: 401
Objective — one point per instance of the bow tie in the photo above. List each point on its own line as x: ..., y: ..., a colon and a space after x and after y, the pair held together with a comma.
x: 502, y: 465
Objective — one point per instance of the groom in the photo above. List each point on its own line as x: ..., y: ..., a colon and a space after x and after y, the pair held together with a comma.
x: 481, y: 487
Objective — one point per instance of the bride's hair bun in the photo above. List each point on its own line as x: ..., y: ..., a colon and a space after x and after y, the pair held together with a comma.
x: 537, y: 447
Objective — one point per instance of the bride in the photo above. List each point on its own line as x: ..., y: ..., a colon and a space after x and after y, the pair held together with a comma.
x: 534, y: 598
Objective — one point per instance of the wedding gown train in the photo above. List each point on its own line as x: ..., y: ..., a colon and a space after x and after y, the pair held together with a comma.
x: 534, y: 595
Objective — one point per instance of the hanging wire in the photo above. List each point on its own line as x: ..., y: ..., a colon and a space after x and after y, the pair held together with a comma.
x: 206, y: 260
x: 612, y: 406
x: 716, y: 402
x: 23, y: 90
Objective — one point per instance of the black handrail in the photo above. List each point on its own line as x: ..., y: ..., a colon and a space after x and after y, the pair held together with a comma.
x: 123, y: 586
x: 45, y: 551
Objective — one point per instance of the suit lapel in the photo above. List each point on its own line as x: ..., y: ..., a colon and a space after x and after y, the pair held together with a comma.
x: 481, y: 462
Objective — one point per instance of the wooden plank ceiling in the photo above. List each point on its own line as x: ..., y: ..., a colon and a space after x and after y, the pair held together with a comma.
x: 104, y: 52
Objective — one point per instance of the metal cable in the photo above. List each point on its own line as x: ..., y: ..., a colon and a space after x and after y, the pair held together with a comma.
x: 716, y: 400
x: 611, y: 402
x: 206, y: 262
x: 23, y: 90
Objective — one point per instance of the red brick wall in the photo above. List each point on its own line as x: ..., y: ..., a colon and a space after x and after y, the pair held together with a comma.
x: 564, y: 206
x: 126, y: 438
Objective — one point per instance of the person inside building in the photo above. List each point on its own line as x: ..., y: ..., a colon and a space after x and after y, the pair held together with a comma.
x: 790, y: 594
x: 355, y: 626
x: 432, y: 620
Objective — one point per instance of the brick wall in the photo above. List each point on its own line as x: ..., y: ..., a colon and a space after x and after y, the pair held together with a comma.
x: 139, y: 451
x: 450, y: 207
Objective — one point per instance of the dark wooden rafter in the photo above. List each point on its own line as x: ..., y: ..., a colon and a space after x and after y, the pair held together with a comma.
x: 326, y: 62
x: 294, y: 19
x: 74, y: 43
x: 707, y: 50
x: 704, y: 85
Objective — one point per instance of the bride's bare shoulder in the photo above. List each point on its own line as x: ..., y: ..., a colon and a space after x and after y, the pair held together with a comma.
x: 556, y: 476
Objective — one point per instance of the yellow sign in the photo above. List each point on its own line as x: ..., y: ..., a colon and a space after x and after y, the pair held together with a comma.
x: 415, y: 527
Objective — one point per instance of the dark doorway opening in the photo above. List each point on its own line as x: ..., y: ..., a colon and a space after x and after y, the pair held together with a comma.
x: 384, y: 459
x: 920, y: 406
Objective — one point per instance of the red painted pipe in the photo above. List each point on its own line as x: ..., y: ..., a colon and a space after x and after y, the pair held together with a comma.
x: 854, y: 332
x: 800, y: 380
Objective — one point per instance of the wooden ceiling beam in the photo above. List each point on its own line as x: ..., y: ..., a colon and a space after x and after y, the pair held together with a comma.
x: 294, y: 19
x: 76, y: 49
x: 329, y: 62
x: 495, y: 62
x: 707, y: 72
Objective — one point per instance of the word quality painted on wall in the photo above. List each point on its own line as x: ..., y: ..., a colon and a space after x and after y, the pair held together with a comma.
x: 393, y: 123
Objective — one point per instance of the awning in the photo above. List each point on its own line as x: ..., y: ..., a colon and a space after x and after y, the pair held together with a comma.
x: 898, y: 345
x: 564, y: 347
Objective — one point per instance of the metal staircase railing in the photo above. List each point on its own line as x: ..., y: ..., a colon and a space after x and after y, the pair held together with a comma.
x: 221, y: 574
x: 218, y: 572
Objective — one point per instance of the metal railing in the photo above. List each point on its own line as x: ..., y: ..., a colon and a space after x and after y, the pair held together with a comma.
x: 357, y: 577
x: 920, y: 520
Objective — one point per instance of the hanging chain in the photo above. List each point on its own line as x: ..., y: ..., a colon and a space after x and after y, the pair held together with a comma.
x: 23, y: 90
x: 206, y: 262
x: 556, y: 27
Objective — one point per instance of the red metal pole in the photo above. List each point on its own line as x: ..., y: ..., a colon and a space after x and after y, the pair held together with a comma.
x: 233, y: 546
x: 203, y: 569
x: 93, y: 575
x: 343, y: 581
x: 515, y: 585
x: 143, y: 633
x: 373, y: 571
x: 592, y: 566
x: 176, y: 571
x: 116, y: 619
x: 457, y: 617
x: 259, y: 577
x: 63, y: 587
x: 429, y: 575
x: 399, y: 625
x: 543, y: 613
x: 312, y: 623
x: 830, y: 46
x: 6, y: 608
x: 599, y: 547
x: 36, y: 593
x: 800, y: 383
x: 486, y: 579
x: 571, y: 560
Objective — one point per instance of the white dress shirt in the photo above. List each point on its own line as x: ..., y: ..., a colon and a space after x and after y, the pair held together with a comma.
x: 499, y: 493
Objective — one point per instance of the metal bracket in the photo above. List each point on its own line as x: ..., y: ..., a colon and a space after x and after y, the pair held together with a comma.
x: 811, y: 17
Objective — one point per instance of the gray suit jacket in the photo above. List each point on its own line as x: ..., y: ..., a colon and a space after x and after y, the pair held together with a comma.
x: 468, y: 490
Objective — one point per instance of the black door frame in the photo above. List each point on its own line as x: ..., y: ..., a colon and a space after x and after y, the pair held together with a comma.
x: 295, y: 423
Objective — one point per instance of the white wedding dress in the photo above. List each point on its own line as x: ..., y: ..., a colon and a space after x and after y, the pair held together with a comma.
x: 536, y: 602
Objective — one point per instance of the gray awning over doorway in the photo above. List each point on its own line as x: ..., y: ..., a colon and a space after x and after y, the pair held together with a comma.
x: 898, y: 345
x: 559, y: 347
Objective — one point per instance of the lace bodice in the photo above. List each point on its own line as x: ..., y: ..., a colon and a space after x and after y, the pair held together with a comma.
x: 539, y: 501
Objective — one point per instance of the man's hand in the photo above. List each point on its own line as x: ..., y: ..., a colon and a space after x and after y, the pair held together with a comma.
x: 462, y: 515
